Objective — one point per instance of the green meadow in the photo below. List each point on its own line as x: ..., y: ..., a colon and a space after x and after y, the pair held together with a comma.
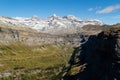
x: 33, y: 62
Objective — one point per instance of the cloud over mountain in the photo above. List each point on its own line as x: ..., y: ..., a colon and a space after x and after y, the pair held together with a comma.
x: 109, y: 9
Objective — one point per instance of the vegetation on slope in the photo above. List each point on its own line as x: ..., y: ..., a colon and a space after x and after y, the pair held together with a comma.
x: 38, y: 62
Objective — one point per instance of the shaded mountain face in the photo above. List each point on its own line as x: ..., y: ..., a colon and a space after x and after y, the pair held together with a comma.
x: 98, y: 58
x: 31, y: 37
x: 52, y: 25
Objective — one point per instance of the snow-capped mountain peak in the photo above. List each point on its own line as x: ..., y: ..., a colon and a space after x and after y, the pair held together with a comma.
x: 35, y: 18
x: 71, y: 17
x: 54, y: 15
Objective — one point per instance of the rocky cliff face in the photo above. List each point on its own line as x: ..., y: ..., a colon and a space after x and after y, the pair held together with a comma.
x: 28, y: 37
x: 19, y: 32
x: 31, y: 37
x: 98, y: 58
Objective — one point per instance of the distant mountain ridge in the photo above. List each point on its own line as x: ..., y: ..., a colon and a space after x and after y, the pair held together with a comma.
x: 53, y: 24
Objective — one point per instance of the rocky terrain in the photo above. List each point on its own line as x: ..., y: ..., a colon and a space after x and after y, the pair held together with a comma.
x: 98, y: 58
x: 30, y: 36
x: 30, y: 30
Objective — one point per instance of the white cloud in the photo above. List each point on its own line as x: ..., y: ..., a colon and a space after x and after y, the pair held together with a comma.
x: 90, y: 9
x: 94, y: 9
x: 109, y: 9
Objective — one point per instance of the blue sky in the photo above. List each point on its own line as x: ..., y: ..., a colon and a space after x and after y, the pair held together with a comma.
x: 106, y: 10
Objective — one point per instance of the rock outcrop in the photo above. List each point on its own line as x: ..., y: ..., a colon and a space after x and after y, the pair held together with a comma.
x: 98, y: 58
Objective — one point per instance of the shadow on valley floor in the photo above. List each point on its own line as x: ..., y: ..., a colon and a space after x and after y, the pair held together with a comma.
x: 96, y: 59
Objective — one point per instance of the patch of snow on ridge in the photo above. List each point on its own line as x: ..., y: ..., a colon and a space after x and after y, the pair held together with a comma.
x: 52, y: 23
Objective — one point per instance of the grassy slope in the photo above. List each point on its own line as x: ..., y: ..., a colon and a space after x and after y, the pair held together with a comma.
x: 33, y: 62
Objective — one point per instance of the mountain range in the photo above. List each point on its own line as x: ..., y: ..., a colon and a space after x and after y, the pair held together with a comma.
x: 53, y: 24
